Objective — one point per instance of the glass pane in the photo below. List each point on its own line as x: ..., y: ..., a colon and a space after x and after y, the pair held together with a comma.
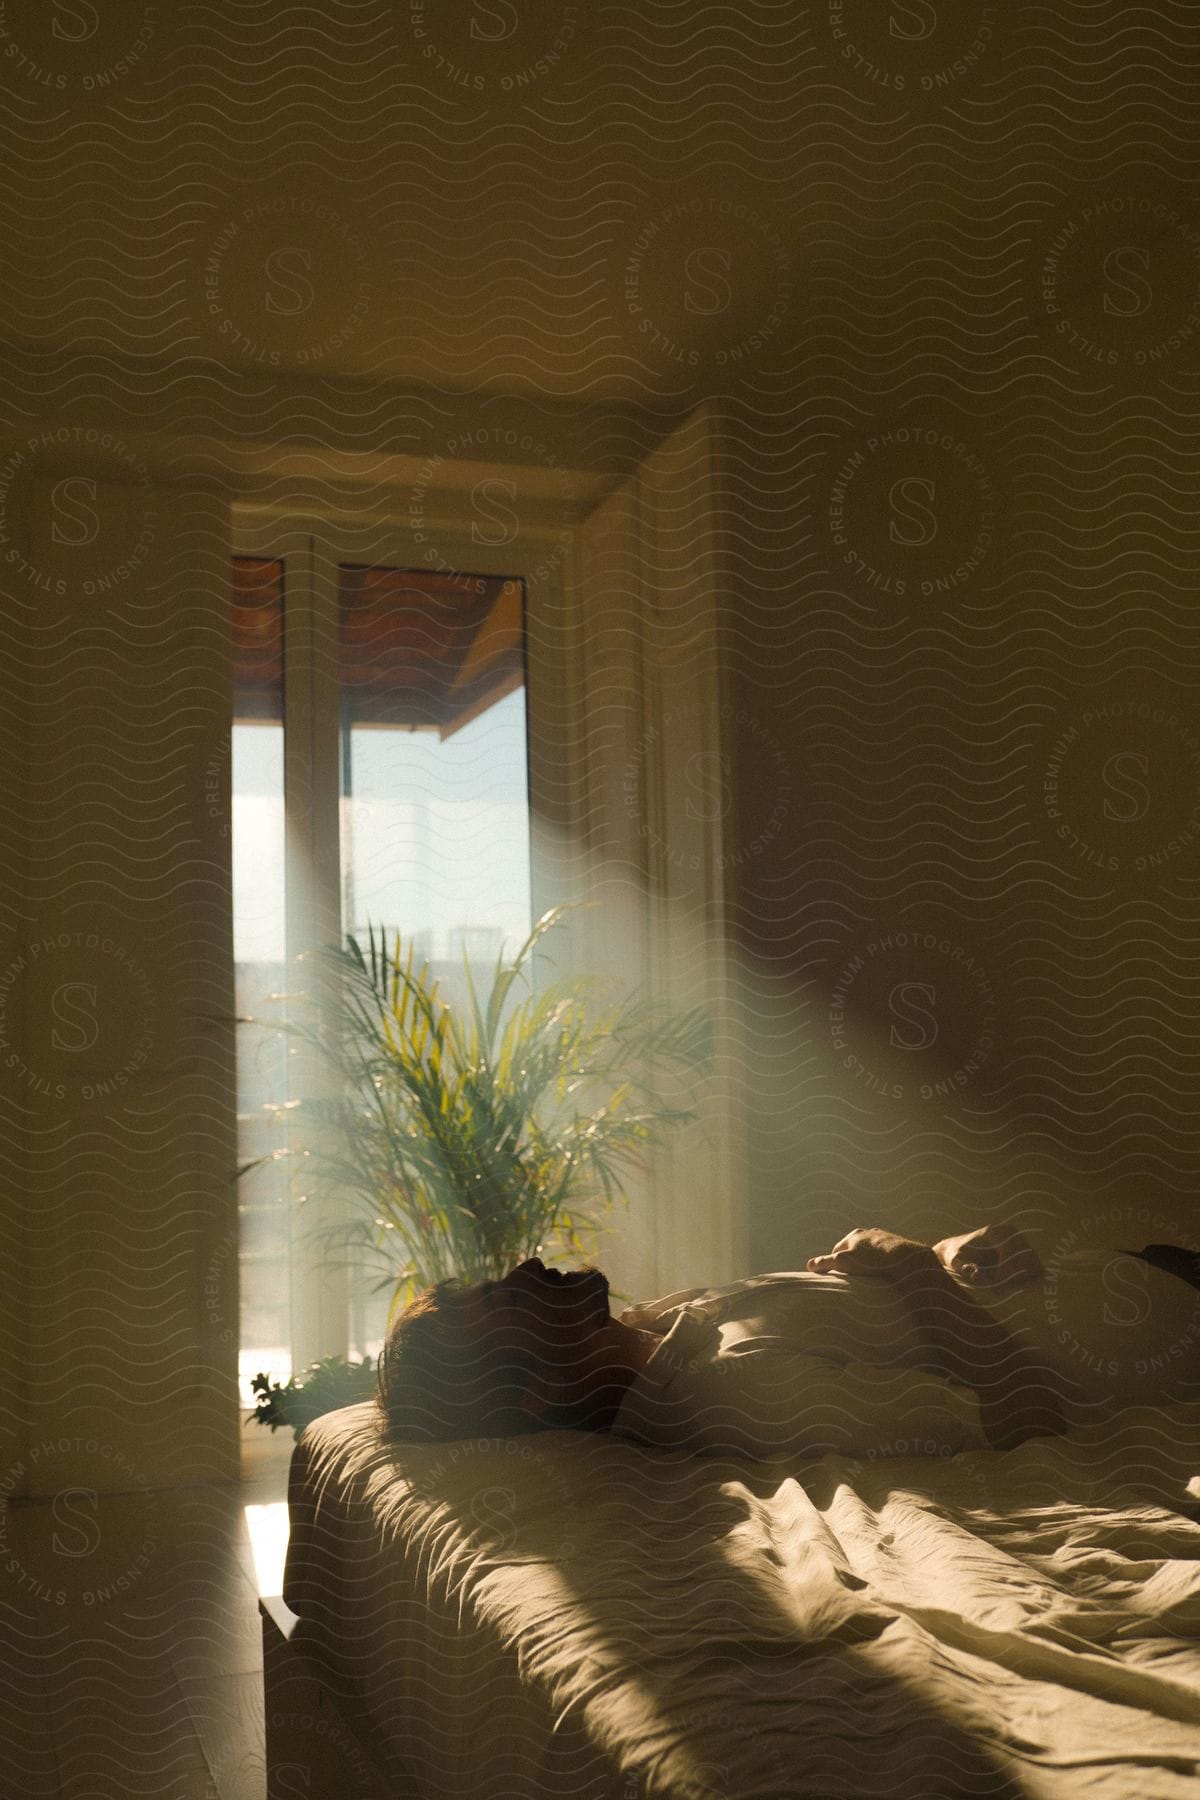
x: 259, y: 940
x: 435, y: 807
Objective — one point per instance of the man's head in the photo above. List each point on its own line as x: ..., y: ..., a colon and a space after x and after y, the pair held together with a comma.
x: 535, y: 1351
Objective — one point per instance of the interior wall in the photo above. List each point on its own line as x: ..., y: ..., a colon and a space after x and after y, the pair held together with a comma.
x: 16, y: 1216
x: 117, y: 1077
x: 969, y: 665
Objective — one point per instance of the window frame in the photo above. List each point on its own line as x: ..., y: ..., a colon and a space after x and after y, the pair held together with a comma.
x: 312, y: 542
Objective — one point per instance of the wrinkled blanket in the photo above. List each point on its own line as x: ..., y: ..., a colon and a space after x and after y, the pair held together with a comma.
x: 570, y: 1615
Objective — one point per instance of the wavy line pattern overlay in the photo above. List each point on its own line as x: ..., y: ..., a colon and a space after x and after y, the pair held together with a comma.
x: 933, y: 272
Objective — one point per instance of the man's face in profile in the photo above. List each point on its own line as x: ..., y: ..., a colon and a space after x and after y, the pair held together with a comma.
x: 552, y: 1328
x: 551, y: 1312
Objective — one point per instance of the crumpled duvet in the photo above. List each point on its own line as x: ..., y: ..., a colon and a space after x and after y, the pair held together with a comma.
x: 571, y: 1615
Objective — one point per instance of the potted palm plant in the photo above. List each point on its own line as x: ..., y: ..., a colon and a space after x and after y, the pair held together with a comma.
x: 461, y: 1137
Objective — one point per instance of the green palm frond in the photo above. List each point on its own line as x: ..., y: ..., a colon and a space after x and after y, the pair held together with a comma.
x: 460, y: 1140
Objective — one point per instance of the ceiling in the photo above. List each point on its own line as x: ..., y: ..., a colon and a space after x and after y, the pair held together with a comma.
x: 543, y: 200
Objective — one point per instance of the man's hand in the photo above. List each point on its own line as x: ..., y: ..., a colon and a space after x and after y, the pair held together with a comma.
x: 996, y: 1256
x: 876, y: 1252
x: 962, y: 1339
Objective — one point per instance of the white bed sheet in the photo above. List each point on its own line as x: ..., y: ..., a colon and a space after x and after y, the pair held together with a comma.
x: 571, y: 1615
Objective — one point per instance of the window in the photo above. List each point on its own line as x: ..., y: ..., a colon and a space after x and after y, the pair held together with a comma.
x: 380, y: 777
x: 259, y: 951
x: 477, y: 721
x: 434, y: 793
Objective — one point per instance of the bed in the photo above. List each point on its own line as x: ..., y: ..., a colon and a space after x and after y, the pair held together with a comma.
x: 575, y: 1615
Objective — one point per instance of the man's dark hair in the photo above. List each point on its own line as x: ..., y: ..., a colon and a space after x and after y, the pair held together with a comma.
x: 442, y: 1376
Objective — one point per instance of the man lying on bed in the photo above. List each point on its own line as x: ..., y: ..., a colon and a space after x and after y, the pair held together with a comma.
x: 879, y: 1342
